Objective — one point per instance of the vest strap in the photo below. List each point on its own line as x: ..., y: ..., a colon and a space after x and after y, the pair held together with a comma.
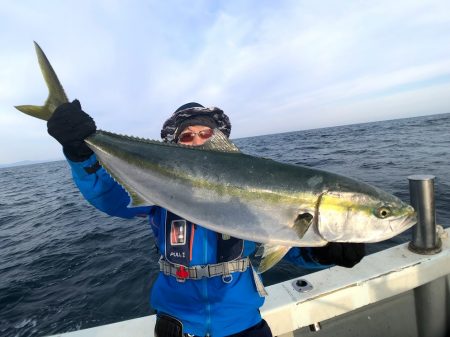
x: 200, y: 271
x: 259, y: 285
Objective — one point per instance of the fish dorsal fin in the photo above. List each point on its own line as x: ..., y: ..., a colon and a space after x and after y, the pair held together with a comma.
x: 219, y: 142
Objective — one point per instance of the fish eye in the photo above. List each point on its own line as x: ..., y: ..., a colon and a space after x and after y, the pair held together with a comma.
x: 382, y: 212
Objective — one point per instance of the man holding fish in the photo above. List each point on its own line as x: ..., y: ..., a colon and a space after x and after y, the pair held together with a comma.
x: 209, y: 204
x: 206, y: 285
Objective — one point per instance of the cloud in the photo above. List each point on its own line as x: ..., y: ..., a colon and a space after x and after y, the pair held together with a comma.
x: 271, y: 67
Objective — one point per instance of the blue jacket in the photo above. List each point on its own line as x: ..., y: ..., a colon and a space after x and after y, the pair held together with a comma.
x: 207, y: 306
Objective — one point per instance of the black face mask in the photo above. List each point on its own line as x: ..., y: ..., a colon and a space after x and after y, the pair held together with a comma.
x: 210, y: 117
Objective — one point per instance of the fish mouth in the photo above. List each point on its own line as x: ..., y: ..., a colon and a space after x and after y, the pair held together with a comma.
x: 399, y: 227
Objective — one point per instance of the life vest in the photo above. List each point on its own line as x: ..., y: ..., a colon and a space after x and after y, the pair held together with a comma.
x: 179, y: 242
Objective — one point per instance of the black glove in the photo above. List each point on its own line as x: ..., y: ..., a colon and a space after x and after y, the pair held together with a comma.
x: 341, y: 254
x: 70, y: 125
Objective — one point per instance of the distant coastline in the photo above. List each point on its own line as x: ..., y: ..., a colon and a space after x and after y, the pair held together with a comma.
x: 28, y: 162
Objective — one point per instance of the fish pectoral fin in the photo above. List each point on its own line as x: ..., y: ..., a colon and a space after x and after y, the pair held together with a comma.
x: 271, y: 256
x: 219, y: 142
x: 302, y: 223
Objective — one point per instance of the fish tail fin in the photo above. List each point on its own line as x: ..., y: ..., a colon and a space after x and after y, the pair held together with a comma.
x: 56, y: 94
x: 271, y: 256
x: 41, y: 112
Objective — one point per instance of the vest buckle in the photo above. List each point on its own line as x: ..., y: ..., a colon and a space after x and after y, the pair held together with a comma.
x: 181, y: 274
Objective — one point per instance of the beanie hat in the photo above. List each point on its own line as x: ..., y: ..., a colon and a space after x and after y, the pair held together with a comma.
x: 194, y: 114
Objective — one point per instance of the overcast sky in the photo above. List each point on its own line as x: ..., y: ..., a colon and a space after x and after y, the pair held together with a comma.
x: 273, y: 66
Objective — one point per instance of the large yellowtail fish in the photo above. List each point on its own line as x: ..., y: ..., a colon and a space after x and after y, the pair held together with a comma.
x: 218, y: 187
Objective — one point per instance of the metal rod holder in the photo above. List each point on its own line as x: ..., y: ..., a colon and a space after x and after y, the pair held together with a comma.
x: 315, y: 327
x: 424, y: 239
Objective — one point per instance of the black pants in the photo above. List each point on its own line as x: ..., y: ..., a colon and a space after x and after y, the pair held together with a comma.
x: 261, y: 329
x: 167, y: 326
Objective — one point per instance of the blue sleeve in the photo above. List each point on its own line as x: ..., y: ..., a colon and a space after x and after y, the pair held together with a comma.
x: 102, y: 191
x: 249, y: 248
x: 302, y: 256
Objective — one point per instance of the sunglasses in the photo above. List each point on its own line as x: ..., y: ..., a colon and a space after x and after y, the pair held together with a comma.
x: 189, y: 136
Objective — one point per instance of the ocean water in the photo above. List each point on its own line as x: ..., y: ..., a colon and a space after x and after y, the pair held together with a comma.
x: 66, y: 266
